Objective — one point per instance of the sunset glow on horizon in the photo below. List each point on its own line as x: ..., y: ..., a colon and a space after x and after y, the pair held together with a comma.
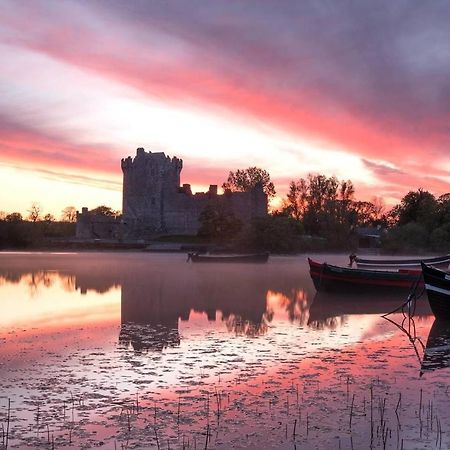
x: 356, y: 90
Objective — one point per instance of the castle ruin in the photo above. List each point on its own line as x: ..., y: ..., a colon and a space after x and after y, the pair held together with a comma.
x: 155, y: 203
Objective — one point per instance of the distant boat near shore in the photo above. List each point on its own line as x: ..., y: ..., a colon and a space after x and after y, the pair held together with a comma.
x: 251, y: 258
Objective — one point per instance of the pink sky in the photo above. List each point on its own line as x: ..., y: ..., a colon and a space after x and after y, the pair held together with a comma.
x: 359, y: 91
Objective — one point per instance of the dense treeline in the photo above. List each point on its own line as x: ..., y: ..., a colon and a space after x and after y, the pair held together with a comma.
x: 420, y: 222
x: 39, y: 229
x: 322, y: 212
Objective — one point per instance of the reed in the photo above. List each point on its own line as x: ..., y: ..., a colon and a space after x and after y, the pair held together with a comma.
x: 420, y: 404
x: 156, y: 437
x: 351, y: 412
x: 371, y: 414
x: 207, y: 436
x: 8, y: 419
x: 396, y: 410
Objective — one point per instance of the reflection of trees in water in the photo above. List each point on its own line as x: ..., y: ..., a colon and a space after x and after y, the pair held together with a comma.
x: 328, y: 323
x: 68, y: 282
x: 35, y: 280
x: 295, y: 302
x: 241, y: 326
x: 11, y: 277
x: 143, y: 338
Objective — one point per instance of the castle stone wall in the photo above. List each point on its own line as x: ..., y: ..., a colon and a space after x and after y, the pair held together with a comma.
x: 96, y: 226
x: 154, y: 203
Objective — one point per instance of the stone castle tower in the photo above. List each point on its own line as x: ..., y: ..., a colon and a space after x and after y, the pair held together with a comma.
x: 149, y: 181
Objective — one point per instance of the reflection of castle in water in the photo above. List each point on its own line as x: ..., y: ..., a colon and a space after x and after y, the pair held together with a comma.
x: 153, y: 305
x: 157, y: 291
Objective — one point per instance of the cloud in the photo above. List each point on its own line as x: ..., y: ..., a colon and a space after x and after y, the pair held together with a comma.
x: 382, y: 168
x: 19, y: 142
x: 65, y: 177
x: 370, y: 78
x: 346, y: 73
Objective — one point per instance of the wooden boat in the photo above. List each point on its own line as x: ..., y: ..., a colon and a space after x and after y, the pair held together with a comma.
x: 437, y: 285
x: 252, y: 258
x: 437, y: 350
x: 438, y: 261
x: 327, y: 277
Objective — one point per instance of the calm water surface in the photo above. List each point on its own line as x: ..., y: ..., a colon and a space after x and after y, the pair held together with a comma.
x: 130, y: 350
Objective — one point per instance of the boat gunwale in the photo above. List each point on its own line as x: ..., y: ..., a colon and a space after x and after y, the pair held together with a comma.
x: 403, y: 262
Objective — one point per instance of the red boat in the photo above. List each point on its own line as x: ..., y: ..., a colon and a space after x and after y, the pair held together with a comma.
x: 327, y: 277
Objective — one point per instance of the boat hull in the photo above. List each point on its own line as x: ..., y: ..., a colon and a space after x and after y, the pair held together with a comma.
x: 331, y: 278
x: 437, y: 285
x: 255, y: 258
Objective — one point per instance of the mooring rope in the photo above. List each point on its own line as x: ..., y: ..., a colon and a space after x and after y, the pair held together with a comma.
x: 410, y: 301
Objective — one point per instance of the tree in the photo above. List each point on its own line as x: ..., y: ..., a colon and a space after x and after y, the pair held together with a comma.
x: 243, y: 180
x: 370, y: 213
x: 105, y: 211
x: 69, y: 214
x: 2, y: 215
x: 14, y: 217
x: 444, y: 209
x: 297, y: 199
x: 324, y: 205
x: 417, y: 206
x: 217, y: 223
x: 379, y: 209
x: 35, y: 212
x: 49, y: 218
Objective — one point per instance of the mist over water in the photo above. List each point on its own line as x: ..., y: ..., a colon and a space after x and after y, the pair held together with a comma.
x: 131, y: 350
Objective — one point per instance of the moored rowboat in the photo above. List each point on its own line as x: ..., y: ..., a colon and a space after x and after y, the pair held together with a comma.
x: 253, y: 258
x: 327, y: 277
x: 437, y: 261
x: 437, y: 285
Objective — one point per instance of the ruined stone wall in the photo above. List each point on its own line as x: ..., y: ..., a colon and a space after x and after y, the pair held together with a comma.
x: 96, y: 226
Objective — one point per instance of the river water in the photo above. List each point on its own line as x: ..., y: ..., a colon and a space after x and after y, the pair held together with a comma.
x: 136, y: 350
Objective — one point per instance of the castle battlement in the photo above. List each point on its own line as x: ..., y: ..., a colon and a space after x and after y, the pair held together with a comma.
x: 143, y: 159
